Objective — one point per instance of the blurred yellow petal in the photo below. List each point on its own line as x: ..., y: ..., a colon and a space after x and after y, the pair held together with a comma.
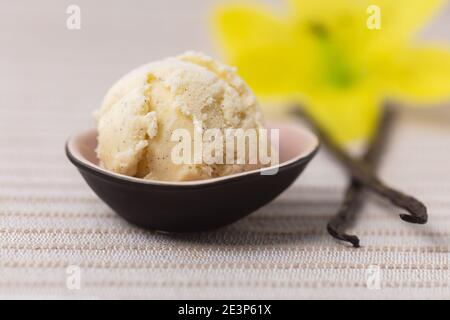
x: 400, y: 19
x: 270, y: 74
x: 342, y: 22
x: 418, y: 75
x: 404, y: 18
x: 323, y: 54
x: 264, y: 49
x: 350, y: 117
x: 240, y: 26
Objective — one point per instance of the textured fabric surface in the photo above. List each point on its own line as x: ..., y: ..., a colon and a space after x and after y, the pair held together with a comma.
x: 53, y: 78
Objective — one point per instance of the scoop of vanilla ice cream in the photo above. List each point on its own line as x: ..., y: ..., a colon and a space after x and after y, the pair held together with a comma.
x: 191, y: 91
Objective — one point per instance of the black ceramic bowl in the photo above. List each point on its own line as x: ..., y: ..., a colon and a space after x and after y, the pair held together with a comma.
x: 198, y: 205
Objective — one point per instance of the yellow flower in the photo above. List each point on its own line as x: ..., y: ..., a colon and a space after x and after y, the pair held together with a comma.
x: 333, y: 58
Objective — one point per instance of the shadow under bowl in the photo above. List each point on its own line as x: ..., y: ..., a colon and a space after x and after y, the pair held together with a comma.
x: 193, y: 206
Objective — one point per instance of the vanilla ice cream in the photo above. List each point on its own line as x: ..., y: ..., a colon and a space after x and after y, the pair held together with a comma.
x: 141, y: 111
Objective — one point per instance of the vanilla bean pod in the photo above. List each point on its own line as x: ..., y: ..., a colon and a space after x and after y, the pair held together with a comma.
x: 355, y: 195
x: 364, y: 174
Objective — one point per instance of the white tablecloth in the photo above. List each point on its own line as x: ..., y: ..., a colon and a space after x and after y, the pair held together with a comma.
x: 50, y: 81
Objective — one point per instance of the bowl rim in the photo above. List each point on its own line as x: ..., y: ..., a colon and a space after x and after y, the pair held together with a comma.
x: 80, y: 162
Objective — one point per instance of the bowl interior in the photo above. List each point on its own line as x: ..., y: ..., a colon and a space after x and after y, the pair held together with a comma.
x: 296, y: 142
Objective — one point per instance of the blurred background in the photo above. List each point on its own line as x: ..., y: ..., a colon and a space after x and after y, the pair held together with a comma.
x: 51, y: 79
x: 46, y: 65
